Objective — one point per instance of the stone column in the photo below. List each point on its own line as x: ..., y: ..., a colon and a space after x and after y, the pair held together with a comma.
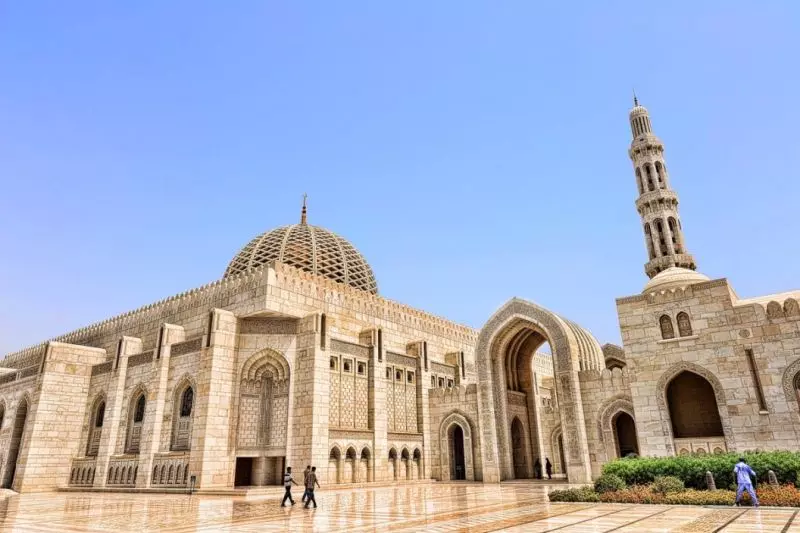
x: 115, y: 400
x: 309, y: 391
x: 151, y: 441
x: 52, y: 435
x: 377, y: 407
x: 211, y: 459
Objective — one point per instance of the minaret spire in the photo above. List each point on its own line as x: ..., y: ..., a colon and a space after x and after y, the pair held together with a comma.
x: 657, y: 203
x: 304, y: 212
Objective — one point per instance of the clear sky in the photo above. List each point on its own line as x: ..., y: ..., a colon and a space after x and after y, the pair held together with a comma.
x: 473, y: 151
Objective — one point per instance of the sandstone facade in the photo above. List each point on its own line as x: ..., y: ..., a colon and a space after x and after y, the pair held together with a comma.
x: 293, y: 359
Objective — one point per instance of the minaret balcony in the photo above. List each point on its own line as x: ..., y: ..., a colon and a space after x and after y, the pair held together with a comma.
x: 657, y: 197
x: 659, y: 264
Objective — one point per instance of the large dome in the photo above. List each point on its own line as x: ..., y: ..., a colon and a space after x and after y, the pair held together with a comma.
x: 309, y: 248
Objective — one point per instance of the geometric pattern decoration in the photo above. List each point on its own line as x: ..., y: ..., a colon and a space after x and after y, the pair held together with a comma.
x: 308, y: 248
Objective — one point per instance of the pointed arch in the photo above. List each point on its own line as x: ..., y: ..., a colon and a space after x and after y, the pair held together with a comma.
x: 639, y: 180
x: 719, y: 394
x: 135, y: 416
x: 461, y: 420
x: 183, y: 408
x: 266, y: 361
x: 96, y: 421
x: 573, y: 348
x: 667, y: 329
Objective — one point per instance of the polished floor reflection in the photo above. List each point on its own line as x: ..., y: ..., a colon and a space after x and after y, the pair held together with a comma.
x: 475, y: 508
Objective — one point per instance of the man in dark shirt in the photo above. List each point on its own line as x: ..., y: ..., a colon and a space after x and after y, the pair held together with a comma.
x: 311, y: 480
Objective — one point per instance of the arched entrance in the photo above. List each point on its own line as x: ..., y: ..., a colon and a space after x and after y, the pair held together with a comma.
x: 625, y: 434
x: 694, y: 414
x: 458, y: 467
x: 520, y: 449
x: 504, y: 352
x: 262, y: 418
x: 16, y: 443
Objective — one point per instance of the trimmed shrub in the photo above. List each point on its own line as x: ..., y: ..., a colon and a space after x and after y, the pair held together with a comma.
x: 701, y: 497
x: 634, y: 494
x: 667, y: 484
x: 692, y: 468
x: 608, y: 483
x: 582, y: 494
x: 780, y: 496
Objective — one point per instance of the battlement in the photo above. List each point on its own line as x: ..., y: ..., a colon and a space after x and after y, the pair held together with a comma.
x: 458, y: 394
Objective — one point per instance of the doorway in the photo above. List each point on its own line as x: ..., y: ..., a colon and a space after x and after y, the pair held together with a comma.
x: 16, y: 444
x: 561, y: 455
x: 458, y: 467
x: 244, y: 472
x: 625, y: 433
x: 519, y: 451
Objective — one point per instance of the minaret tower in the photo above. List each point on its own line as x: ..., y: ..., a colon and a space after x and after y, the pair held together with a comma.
x: 657, y: 203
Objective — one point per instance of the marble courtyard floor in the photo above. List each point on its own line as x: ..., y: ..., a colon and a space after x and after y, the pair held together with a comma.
x: 474, y: 508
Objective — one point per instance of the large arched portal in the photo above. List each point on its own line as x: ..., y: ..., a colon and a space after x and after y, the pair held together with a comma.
x: 694, y: 414
x: 263, y: 414
x: 507, y: 386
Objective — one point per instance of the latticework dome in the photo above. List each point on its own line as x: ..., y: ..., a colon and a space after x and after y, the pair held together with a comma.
x: 309, y: 248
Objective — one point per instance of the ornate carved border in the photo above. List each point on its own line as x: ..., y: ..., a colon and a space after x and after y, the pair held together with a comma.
x: 789, y: 376
x: 605, y: 415
x: 460, y: 418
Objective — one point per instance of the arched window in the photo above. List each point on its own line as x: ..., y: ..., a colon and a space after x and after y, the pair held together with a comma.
x: 101, y: 413
x: 639, y: 180
x: 675, y: 234
x: 660, y: 175
x: 182, y: 422
x: 135, y: 427
x: 649, y: 172
x: 662, y: 243
x: 684, y: 325
x: 186, y: 402
x: 648, y: 236
x: 667, y: 331
x: 139, y: 413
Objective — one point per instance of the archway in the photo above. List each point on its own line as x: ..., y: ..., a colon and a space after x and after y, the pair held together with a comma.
x: 366, y: 468
x: 505, y: 350
x: 625, y: 434
x: 262, y: 411
x: 694, y: 414
x: 458, y: 467
x: 333, y: 465
x: 350, y: 466
x: 393, y: 463
x: 520, y: 450
x: 16, y: 443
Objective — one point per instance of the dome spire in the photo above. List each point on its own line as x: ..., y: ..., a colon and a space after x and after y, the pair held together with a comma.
x: 635, y: 100
x: 304, y: 212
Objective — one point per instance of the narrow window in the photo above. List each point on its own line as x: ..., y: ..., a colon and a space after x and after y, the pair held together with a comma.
x: 684, y: 325
x: 101, y: 412
x: 410, y: 377
x: 186, y: 402
x: 667, y: 331
x: 334, y: 363
x: 433, y: 381
x: 361, y: 369
x: 762, y: 402
x: 388, y: 372
x: 449, y: 383
x: 347, y: 365
x: 441, y: 383
x: 398, y: 375
x: 139, y: 414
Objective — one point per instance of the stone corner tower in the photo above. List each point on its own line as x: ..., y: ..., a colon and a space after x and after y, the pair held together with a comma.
x: 657, y: 203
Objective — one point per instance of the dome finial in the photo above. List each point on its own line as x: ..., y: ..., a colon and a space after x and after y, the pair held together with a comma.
x: 635, y: 100
x: 304, y: 212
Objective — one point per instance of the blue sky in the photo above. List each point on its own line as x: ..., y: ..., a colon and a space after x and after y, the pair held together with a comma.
x: 473, y: 151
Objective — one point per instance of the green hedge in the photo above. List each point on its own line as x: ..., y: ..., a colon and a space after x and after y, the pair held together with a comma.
x: 691, y: 469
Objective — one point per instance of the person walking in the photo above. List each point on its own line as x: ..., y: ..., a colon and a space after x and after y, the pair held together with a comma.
x: 537, y: 469
x: 548, y: 466
x: 306, y: 472
x: 311, y: 480
x: 287, y: 484
x: 742, y: 471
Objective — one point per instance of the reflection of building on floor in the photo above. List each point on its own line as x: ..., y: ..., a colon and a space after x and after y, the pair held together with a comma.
x: 293, y: 358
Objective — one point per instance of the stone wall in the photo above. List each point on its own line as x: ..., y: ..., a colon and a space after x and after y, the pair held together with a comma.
x: 723, y: 329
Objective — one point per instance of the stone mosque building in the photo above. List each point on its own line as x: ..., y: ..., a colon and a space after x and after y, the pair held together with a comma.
x: 293, y: 358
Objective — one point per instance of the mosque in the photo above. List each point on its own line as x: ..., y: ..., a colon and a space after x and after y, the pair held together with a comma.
x: 293, y: 358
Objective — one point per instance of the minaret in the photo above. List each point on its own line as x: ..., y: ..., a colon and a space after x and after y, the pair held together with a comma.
x: 657, y: 203
x: 304, y: 211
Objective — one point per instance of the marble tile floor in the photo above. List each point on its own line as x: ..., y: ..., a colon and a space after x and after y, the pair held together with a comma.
x: 433, y: 507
